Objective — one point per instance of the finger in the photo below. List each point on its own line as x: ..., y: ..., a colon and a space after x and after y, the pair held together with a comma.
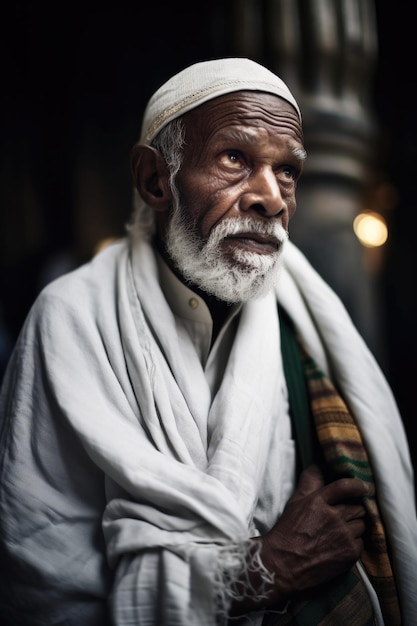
x: 354, y: 512
x: 357, y: 528
x: 311, y: 479
x: 345, y: 489
x: 349, y: 512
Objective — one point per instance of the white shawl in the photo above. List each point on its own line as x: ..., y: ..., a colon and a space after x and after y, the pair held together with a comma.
x: 98, y: 364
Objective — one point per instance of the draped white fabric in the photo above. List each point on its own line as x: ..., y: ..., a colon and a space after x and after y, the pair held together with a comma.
x: 222, y: 448
x: 183, y: 475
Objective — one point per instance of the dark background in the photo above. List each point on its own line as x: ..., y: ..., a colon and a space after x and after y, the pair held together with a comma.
x: 74, y: 85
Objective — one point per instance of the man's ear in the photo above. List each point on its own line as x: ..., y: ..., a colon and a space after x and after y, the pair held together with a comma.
x: 151, y: 177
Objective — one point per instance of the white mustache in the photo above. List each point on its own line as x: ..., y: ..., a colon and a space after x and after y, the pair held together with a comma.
x: 236, y: 225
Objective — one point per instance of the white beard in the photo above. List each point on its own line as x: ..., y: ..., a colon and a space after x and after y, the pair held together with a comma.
x: 249, y: 275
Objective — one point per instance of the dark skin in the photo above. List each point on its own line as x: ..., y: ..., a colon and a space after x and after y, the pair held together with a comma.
x: 238, y: 160
x: 243, y: 156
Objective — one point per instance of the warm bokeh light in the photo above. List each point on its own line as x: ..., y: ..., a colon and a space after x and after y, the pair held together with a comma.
x: 103, y: 243
x: 371, y: 229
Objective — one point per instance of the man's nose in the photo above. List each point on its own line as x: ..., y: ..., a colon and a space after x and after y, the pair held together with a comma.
x: 263, y: 194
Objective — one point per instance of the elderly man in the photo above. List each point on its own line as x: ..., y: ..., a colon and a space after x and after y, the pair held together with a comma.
x: 192, y: 430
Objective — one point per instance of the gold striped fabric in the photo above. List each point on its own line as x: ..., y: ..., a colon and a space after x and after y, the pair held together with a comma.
x: 326, y: 432
x: 342, y: 601
x: 346, y: 455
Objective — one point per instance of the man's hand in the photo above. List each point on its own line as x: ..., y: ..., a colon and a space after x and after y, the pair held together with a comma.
x: 319, y: 534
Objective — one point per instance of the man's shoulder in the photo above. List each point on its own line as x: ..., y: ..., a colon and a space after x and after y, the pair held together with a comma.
x: 81, y: 296
x: 87, y: 278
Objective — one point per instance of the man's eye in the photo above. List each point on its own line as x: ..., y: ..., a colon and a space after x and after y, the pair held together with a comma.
x: 232, y: 158
x: 287, y: 172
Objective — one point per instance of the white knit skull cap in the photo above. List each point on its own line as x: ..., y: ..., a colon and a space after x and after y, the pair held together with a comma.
x: 204, y: 81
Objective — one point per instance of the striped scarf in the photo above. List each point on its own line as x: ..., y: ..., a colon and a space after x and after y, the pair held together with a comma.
x: 336, y: 442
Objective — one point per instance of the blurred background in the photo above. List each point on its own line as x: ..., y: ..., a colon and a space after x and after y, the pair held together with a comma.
x: 74, y: 84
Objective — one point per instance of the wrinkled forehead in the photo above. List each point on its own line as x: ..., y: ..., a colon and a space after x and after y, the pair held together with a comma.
x: 248, y: 114
x: 205, y: 81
